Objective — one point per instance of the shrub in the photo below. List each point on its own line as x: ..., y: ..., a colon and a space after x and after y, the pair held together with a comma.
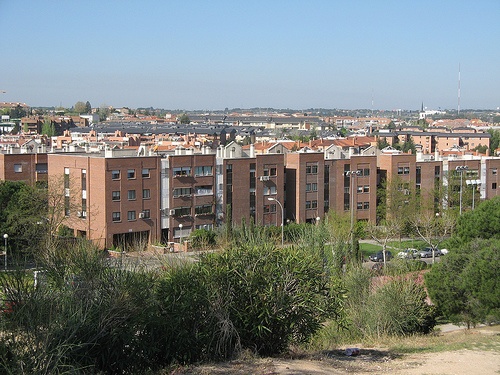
x: 258, y: 298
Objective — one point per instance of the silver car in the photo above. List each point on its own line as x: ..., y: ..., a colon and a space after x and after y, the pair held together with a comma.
x: 427, y: 252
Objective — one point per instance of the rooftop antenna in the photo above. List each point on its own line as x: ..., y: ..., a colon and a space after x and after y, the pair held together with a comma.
x: 458, y: 108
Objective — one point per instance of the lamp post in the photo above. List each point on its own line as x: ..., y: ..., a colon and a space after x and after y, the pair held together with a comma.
x: 180, y: 236
x: 461, y: 169
x: 5, y: 237
x: 475, y: 184
x: 282, y: 216
x: 352, y: 175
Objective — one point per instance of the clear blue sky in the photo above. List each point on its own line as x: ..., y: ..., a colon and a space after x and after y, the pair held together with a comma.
x: 212, y: 54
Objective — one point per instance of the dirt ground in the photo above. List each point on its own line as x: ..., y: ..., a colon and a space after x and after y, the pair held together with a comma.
x: 369, y: 361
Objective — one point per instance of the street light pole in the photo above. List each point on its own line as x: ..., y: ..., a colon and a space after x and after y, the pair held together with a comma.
x: 5, y: 236
x: 352, y: 175
x: 475, y: 184
x: 282, y: 217
x: 180, y: 236
x: 461, y: 169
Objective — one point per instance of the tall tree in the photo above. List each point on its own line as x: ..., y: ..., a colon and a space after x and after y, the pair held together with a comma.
x: 184, y: 119
x: 80, y: 107
x: 465, y: 285
x: 48, y: 128
x: 88, y: 107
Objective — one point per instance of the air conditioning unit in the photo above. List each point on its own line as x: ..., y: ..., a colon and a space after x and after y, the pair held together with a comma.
x: 84, y: 213
x: 171, y: 212
x: 79, y: 213
x: 264, y: 178
x: 141, y: 215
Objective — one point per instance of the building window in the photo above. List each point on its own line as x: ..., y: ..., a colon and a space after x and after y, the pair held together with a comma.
x: 66, y: 206
x: 366, y: 205
x: 204, y: 190
x: 115, y: 175
x: 130, y: 215
x: 145, y: 173
x: 84, y: 179
x: 312, y: 187
x: 146, y: 194
x: 494, y: 185
x: 182, y: 211
x: 42, y: 168
x: 115, y: 195
x: 359, y: 205
x: 146, y: 214
x: 403, y: 170
x: 312, y: 169
x: 494, y: 171
x: 131, y: 195
x: 360, y: 189
x: 308, y: 205
x: 203, y: 171
x: 18, y: 168
x: 182, y: 192
x: 366, y: 188
x: 269, y: 190
x: 269, y: 208
x: 272, y: 172
x: 116, y: 216
x: 366, y: 171
x: 205, y: 209
x: 314, y: 204
x: 131, y: 174
x: 182, y: 171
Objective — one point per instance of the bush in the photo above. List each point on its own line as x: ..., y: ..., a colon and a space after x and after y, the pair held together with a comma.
x: 258, y: 298
x: 380, y: 306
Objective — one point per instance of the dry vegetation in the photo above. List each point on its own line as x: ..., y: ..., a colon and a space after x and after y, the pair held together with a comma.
x: 475, y: 351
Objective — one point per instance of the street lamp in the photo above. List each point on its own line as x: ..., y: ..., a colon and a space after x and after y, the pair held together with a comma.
x: 461, y: 169
x: 352, y: 175
x: 5, y: 237
x: 475, y: 184
x: 180, y: 236
x: 282, y: 216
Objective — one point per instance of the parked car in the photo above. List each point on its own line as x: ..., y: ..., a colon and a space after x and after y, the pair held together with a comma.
x: 379, y: 257
x: 408, y: 254
x: 427, y: 252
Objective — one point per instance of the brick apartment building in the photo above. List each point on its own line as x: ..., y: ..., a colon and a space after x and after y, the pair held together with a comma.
x: 121, y: 196
x: 27, y: 167
x: 110, y: 200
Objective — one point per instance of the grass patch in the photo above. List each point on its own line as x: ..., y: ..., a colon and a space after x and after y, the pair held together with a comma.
x: 473, y: 339
x: 367, y: 249
x: 413, y: 244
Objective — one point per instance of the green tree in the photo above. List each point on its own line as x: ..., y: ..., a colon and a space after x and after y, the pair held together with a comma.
x: 88, y: 107
x: 382, y: 143
x: 494, y: 140
x: 465, y: 285
x: 103, y: 112
x: 482, y: 222
x: 409, y: 145
x: 184, y: 119
x: 17, y: 112
x: 80, y: 107
x: 481, y: 149
x: 48, y: 128
x: 22, y: 216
